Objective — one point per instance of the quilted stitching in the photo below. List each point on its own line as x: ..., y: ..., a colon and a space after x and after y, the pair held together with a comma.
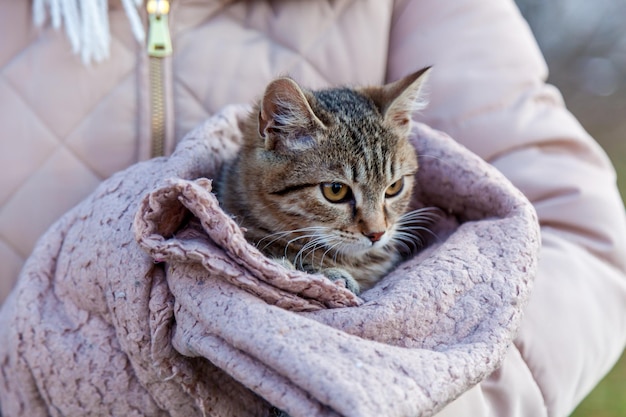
x: 35, y: 141
x: 52, y: 141
x: 311, y: 52
x: 15, y: 19
x: 106, y: 153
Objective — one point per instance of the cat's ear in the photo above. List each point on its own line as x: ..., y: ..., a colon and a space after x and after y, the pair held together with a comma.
x: 286, y: 118
x: 398, y: 101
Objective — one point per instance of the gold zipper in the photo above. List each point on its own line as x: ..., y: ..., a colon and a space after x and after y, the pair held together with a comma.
x: 159, y: 41
x: 159, y: 47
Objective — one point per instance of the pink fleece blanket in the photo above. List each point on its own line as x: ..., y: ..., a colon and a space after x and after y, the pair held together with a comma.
x: 146, y: 300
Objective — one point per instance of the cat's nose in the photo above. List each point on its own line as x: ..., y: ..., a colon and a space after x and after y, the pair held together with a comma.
x: 374, y: 236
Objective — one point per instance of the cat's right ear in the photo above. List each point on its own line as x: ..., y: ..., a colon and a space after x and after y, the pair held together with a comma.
x: 286, y: 117
x: 398, y: 101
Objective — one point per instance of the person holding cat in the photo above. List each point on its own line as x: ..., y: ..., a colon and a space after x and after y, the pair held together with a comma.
x: 125, y: 93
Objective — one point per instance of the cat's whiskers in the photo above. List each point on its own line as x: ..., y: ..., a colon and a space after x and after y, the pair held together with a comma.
x: 421, y: 215
x: 330, y: 247
x: 424, y: 213
x: 339, y: 253
x: 405, y: 239
x: 282, y: 234
x: 314, y: 239
x: 310, y: 246
x: 411, y: 226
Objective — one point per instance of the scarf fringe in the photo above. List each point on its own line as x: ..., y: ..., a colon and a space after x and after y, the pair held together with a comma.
x: 86, y: 24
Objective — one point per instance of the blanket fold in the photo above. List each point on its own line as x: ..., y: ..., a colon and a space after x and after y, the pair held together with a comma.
x: 220, y: 247
x: 146, y: 299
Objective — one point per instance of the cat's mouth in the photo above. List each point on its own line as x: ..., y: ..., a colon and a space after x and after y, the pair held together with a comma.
x: 360, y: 245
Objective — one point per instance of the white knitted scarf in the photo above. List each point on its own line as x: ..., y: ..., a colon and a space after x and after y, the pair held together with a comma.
x: 86, y: 23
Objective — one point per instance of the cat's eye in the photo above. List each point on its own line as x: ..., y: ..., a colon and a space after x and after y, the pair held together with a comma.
x: 395, y: 188
x: 336, y: 192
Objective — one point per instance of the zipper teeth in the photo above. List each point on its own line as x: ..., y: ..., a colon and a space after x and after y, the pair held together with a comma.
x: 159, y: 46
x: 157, y: 107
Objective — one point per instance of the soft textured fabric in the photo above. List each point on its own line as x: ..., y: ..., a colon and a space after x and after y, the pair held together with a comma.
x: 67, y: 126
x: 207, y: 324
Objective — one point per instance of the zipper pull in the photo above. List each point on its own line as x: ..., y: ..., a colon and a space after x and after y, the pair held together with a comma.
x: 159, y: 41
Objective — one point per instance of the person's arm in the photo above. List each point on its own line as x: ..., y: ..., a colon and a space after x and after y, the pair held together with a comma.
x: 488, y: 91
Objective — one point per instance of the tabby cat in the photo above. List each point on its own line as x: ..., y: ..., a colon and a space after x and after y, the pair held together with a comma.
x: 324, y: 178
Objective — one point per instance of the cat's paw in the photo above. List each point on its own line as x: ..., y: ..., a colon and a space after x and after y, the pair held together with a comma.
x: 338, y: 274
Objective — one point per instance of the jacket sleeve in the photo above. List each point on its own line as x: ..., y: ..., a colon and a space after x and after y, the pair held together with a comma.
x: 488, y: 91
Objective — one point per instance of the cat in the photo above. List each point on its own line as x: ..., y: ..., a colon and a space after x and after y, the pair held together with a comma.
x: 323, y: 180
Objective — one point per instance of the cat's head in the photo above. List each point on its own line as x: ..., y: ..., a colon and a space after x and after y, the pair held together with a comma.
x: 335, y: 166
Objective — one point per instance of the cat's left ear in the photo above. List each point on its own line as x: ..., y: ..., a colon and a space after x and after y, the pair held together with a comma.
x: 286, y: 119
x: 398, y: 101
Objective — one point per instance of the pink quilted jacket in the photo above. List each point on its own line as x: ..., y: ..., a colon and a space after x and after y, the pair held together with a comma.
x: 66, y: 126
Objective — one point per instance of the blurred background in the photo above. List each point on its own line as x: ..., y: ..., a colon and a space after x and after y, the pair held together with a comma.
x: 584, y: 43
